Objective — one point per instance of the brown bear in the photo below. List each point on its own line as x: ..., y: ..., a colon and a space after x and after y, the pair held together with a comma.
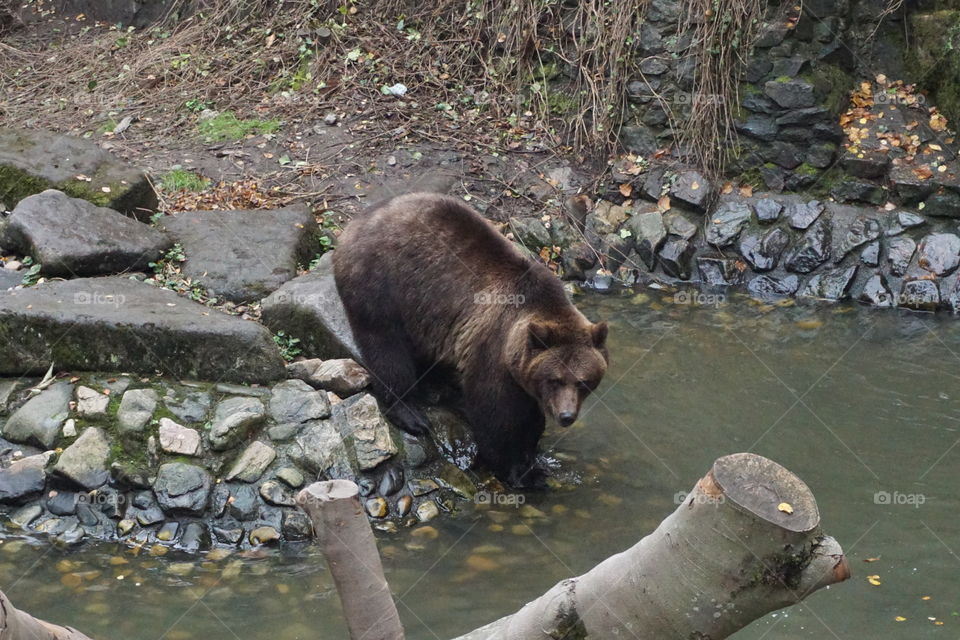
x: 428, y: 284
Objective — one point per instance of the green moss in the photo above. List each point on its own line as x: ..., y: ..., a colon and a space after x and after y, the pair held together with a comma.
x: 833, y: 84
x: 561, y: 104
x: 934, y: 54
x: 783, y: 79
x: 807, y: 169
x: 826, y: 183
x: 15, y: 185
x: 226, y: 126
x: 183, y: 180
x: 751, y: 177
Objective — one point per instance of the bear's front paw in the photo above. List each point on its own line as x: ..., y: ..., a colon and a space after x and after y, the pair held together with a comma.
x: 408, y: 419
x: 527, y: 477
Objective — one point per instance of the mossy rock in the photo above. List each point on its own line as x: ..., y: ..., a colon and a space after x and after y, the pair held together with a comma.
x: 32, y: 161
x: 833, y: 85
x: 934, y: 54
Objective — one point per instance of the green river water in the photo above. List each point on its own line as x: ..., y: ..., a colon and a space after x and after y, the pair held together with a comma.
x: 863, y: 405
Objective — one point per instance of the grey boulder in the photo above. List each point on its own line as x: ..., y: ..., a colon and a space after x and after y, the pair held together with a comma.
x: 106, y: 324
x: 39, y: 420
x: 244, y: 255
x: 84, y: 462
x: 71, y: 237
x: 309, y: 307
x: 181, y: 487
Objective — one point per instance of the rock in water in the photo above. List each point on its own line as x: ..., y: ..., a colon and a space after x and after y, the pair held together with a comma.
x: 244, y: 255
x: 71, y: 237
x: 39, y: 420
x: 24, y: 479
x: 103, y: 324
x: 37, y: 160
x: 85, y: 461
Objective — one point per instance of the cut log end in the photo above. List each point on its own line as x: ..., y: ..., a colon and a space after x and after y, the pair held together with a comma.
x: 767, y: 490
x: 328, y: 491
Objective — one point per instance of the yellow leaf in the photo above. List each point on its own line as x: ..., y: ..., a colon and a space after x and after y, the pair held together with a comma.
x: 785, y: 507
x: 694, y: 186
x: 900, y: 619
x: 874, y: 580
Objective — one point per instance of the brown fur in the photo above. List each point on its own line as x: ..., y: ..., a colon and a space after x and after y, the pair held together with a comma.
x: 428, y: 284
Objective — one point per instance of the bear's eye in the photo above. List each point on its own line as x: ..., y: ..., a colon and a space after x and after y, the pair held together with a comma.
x: 583, y: 385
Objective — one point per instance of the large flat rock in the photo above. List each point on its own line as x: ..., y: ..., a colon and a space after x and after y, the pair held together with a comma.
x: 73, y: 237
x: 244, y: 255
x: 33, y: 160
x: 121, y: 324
x: 309, y: 308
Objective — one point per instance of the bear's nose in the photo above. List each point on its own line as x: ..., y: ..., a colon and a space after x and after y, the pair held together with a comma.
x: 566, y: 418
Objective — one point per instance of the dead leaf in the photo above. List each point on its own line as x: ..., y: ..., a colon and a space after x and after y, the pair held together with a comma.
x: 746, y: 190
x: 626, y: 189
x: 663, y: 204
x: 727, y: 188
x: 785, y: 507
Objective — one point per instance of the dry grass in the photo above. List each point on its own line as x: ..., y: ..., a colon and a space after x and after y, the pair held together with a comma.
x: 723, y: 36
x: 486, y: 70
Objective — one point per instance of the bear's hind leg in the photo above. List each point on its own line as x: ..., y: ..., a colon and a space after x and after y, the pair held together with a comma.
x: 389, y: 358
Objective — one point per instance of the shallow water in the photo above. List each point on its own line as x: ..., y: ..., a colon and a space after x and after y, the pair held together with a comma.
x: 855, y: 402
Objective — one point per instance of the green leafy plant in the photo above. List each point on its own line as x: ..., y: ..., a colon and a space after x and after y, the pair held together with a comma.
x: 32, y: 275
x: 288, y: 345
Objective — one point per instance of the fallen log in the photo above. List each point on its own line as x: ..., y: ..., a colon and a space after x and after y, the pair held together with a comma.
x: 19, y: 625
x: 745, y: 541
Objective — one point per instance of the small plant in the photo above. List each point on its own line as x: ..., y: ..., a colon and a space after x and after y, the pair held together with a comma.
x: 288, y: 345
x: 226, y: 126
x: 183, y: 180
x: 197, y: 105
x: 32, y: 275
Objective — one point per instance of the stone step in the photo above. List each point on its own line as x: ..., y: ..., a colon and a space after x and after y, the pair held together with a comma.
x: 33, y: 160
x: 119, y: 323
x: 244, y: 255
x: 72, y: 237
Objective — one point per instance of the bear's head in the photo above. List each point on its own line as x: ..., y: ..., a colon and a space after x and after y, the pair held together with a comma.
x: 560, y: 365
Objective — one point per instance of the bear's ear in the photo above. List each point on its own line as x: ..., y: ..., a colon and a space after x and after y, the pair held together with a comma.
x: 599, y: 333
x: 539, y: 335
